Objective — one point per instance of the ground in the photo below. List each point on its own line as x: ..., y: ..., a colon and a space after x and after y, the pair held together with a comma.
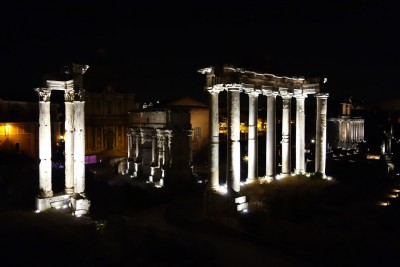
x: 133, y: 224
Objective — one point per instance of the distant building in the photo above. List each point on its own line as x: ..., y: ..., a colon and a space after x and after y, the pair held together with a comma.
x: 162, y: 139
x: 19, y: 127
x: 346, y: 131
x: 106, y: 120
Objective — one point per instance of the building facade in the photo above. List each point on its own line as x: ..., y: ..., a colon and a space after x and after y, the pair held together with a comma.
x: 346, y: 132
x: 106, y: 121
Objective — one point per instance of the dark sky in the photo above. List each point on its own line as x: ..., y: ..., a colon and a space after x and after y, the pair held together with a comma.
x: 154, y: 49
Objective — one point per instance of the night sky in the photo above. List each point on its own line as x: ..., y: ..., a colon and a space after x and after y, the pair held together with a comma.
x: 154, y: 50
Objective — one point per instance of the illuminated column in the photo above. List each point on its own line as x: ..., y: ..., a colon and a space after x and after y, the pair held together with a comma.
x: 252, y: 151
x: 161, y: 151
x: 153, y: 164
x: 300, y: 133
x: 79, y: 144
x: 169, y: 156
x: 362, y: 130
x: 45, y: 186
x: 286, y: 97
x: 69, y: 96
x: 320, y: 142
x: 131, y: 157
x: 214, y: 138
x: 233, y: 149
x: 137, y: 161
x: 271, y: 134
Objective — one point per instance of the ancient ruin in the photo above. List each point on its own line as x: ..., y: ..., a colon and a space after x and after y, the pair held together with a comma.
x: 235, y: 81
x: 74, y: 196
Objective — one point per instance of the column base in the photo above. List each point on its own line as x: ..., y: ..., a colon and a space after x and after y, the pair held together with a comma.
x: 299, y: 172
x: 55, y: 202
x: 251, y: 180
x: 69, y: 191
x: 80, y: 205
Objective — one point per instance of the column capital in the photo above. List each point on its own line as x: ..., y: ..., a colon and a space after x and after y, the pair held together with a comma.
x: 269, y: 92
x: 234, y: 87
x: 215, y: 89
x: 286, y: 95
x: 300, y: 95
x: 322, y: 95
x: 69, y: 95
x: 252, y: 91
x: 44, y: 94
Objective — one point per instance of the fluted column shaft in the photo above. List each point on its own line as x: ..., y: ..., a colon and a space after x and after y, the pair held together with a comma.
x: 300, y: 133
x: 233, y: 149
x: 320, y: 142
x: 45, y: 172
x: 286, y: 134
x: 69, y: 141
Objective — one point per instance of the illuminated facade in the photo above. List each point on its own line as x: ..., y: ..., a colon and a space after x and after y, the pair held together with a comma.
x: 235, y: 81
x: 346, y: 131
x: 106, y: 119
x: 74, y: 196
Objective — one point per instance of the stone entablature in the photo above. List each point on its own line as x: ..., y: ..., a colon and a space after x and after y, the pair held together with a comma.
x: 240, y: 78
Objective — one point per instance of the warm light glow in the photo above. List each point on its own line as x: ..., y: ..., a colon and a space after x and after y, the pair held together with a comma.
x: 37, y: 211
x: 246, y: 158
x: 384, y: 203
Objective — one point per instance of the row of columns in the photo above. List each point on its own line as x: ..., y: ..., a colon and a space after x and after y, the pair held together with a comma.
x: 233, y: 124
x: 351, y: 130
x: 161, y: 157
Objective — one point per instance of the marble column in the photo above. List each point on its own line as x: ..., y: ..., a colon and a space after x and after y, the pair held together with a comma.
x: 69, y: 96
x: 138, y: 161
x: 214, y: 138
x: 45, y: 172
x: 233, y: 149
x: 79, y: 144
x: 131, y: 158
x: 271, y: 134
x: 169, y: 142
x: 320, y: 142
x: 300, y: 133
x: 252, y: 150
x: 286, y: 144
x: 154, y: 160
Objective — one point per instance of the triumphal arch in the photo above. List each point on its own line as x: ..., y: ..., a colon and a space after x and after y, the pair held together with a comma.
x: 236, y: 81
x: 74, y: 196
